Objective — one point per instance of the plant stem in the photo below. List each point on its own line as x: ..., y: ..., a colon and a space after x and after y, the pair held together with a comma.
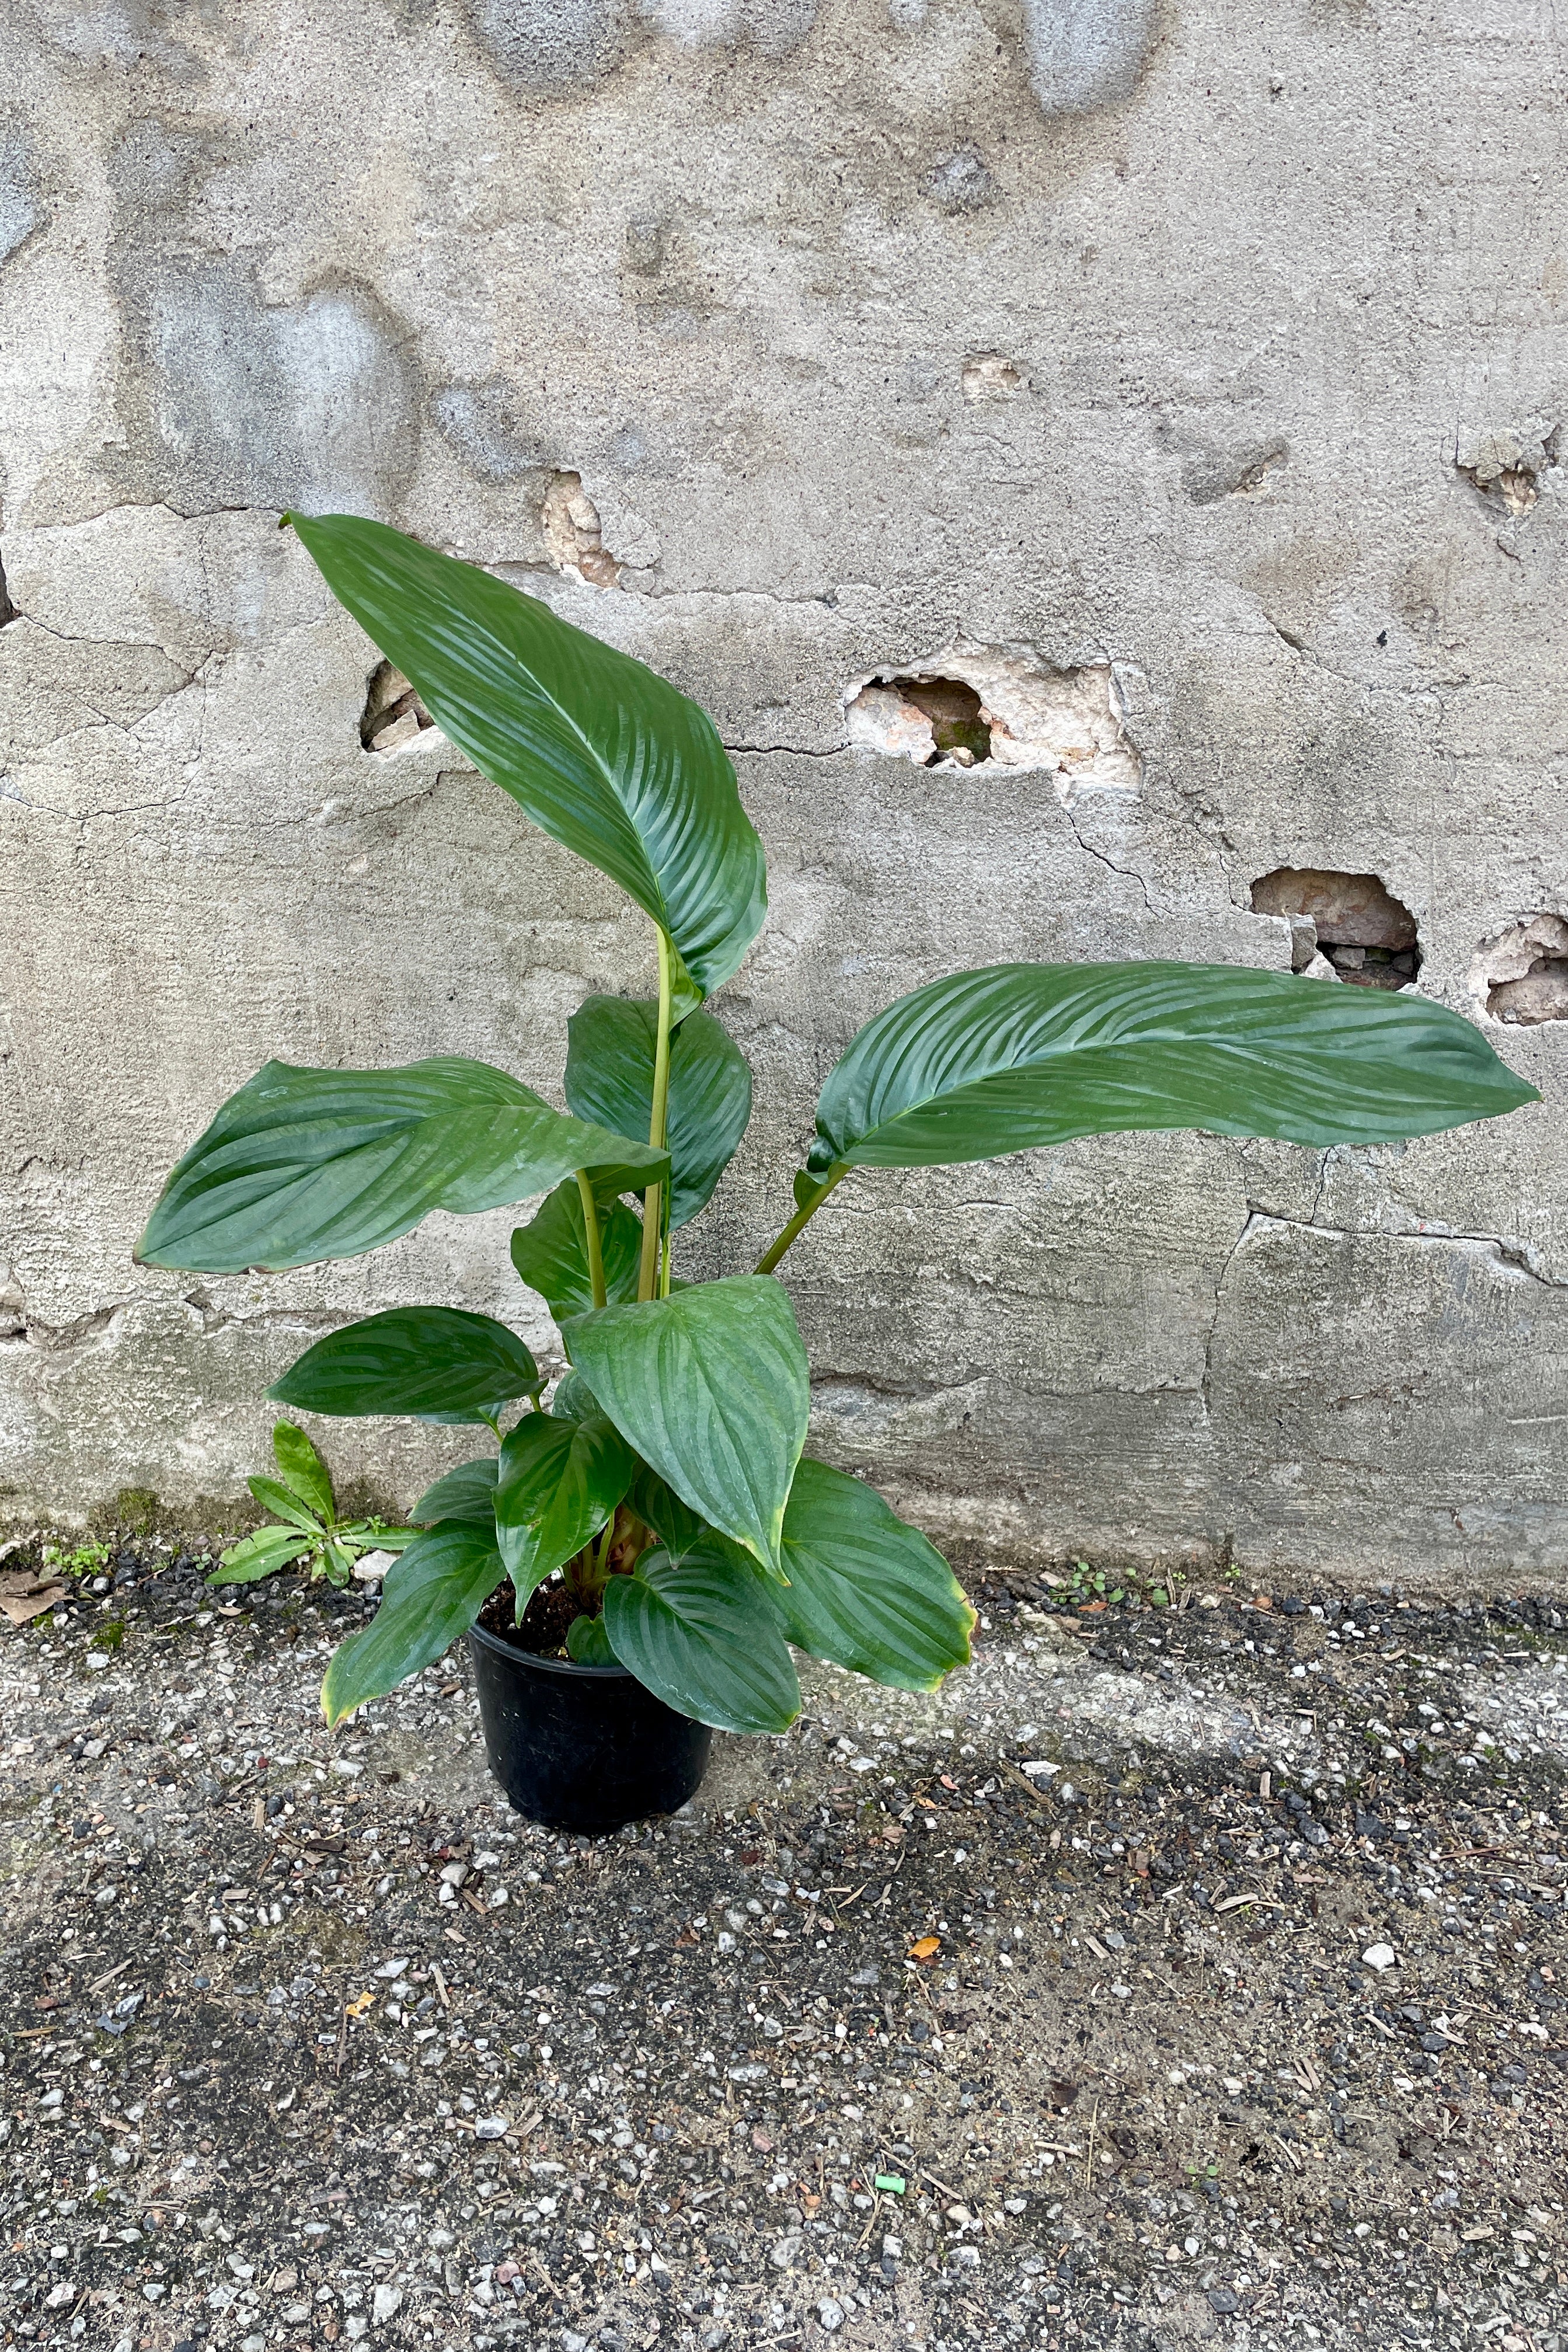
x: 595, y: 1247
x: 653, y: 1199
x: 797, y: 1224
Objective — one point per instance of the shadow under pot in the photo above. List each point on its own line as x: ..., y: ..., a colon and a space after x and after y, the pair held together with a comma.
x: 585, y: 1749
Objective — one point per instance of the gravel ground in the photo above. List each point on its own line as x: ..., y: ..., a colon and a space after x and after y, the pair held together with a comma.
x: 1178, y: 1974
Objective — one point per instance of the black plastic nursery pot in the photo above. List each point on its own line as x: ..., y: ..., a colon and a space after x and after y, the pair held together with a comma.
x: 582, y: 1747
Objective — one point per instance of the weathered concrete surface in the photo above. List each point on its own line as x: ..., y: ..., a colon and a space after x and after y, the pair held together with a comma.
x: 1089, y: 334
x: 1122, y: 1994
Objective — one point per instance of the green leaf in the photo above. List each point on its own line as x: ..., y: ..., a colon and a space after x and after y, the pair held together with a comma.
x: 607, y: 758
x: 338, y: 1560
x: 371, y: 1535
x: 303, y: 1165
x: 676, y: 1528
x: 711, y: 1389
x: 700, y: 1634
x: 287, y: 1506
x: 588, y: 1644
x: 467, y: 1494
x: 473, y: 1416
x: 419, y: 1360
x: 432, y: 1594
x: 551, y: 1253
x: 865, y: 1590
x: 262, y: 1554
x: 996, y: 1061
x: 612, y: 1041
x: 305, y: 1474
x: 575, y: 1400
x: 559, y: 1481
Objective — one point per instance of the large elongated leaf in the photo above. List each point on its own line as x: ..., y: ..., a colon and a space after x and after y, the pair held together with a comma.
x: 558, y: 1484
x: 303, y: 1165
x: 711, y: 1389
x: 994, y: 1061
x: 866, y: 1589
x: 610, y: 1055
x: 699, y: 1634
x: 467, y: 1493
x: 421, y: 1359
x: 551, y: 1252
x: 432, y: 1593
x: 603, y: 755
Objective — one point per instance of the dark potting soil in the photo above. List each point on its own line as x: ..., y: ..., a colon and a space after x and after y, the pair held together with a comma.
x: 542, y: 1631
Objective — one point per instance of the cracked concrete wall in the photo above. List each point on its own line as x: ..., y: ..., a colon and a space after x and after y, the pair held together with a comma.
x: 1148, y: 338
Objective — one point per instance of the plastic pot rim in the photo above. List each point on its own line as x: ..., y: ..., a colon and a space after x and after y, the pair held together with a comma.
x: 531, y: 1662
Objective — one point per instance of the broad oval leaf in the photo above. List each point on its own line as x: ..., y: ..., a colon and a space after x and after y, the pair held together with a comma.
x: 588, y: 1644
x: 551, y: 1252
x: 304, y: 1471
x: 575, y: 1400
x: 410, y: 1360
x: 432, y: 1593
x: 468, y: 1416
x: 558, y: 1483
x: 303, y: 1165
x: 699, y: 1634
x: 866, y: 1589
x: 602, y: 754
x: 711, y: 1387
x: 994, y: 1061
x: 467, y: 1493
x: 663, y: 1511
x: 419, y: 1360
x: 262, y: 1554
x: 611, y: 1045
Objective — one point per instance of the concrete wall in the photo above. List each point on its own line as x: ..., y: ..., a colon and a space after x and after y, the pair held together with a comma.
x: 1139, y: 333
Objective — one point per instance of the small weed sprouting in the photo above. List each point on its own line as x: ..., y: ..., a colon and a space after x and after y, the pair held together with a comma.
x: 88, y: 1558
x: 1090, y: 1588
x: 307, y: 1530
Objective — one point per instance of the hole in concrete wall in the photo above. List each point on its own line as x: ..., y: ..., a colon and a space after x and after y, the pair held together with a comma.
x: 974, y: 703
x: 393, y: 714
x: 7, y: 610
x: 990, y: 375
x: 572, y: 539
x: 1342, y: 926
x: 933, y: 718
x: 1522, y: 977
x: 1506, y: 467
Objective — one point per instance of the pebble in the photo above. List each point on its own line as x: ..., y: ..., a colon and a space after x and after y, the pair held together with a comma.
x: 1379, y: 1956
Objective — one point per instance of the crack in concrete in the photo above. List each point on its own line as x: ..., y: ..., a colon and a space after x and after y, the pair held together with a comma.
x: 85, y: 1330
x: 1516, y: 1255
x: 793, y: 750
x: 61, y: 1338
x: 1128, y: 873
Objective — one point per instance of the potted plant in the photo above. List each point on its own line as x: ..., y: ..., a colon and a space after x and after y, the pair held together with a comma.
x: 645, y: 1547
